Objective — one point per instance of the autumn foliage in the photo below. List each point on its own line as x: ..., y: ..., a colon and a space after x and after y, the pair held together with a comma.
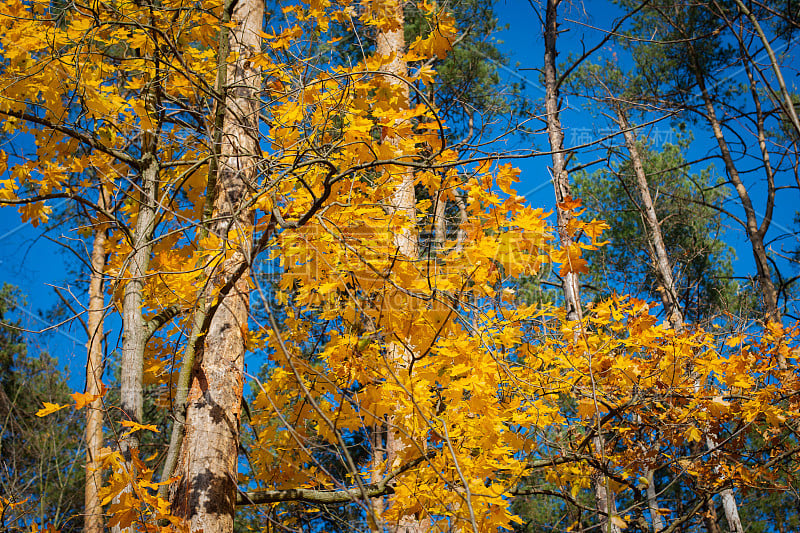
x: 496, y: 391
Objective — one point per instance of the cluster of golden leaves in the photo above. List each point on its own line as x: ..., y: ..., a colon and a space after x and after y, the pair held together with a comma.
x: 490, y: 380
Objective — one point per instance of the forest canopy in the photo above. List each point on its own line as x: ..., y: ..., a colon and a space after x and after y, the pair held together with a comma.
x: 315, y: 297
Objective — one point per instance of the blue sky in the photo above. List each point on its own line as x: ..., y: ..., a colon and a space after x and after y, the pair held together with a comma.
x: 33, y: 262
x: 523, y: 43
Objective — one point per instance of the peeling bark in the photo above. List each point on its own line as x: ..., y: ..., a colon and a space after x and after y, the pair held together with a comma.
x: 195, y: 339
x: 205, y: 494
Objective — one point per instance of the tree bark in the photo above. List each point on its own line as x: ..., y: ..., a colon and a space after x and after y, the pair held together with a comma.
x: 652, y: 502
x: 658, y: 251
x: 755, y: 232
x: 205, y: 494
x: 604, y: 499
x: 195, y: 338
x: 392, y: 43
x: 93, y: 511
x: 133, y: 342
x: 133, y: 322
x: 555, y: 135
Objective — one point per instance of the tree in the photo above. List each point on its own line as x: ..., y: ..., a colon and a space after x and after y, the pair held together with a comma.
x: 93, y: 521
x: 301, y: 161
x: 688, y: 63
x: 565, y: 206
x: 40, y: 472
x: 692, y: 233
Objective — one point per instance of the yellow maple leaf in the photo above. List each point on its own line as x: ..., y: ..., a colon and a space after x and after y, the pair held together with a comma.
x: 692, y: 434
x: 49, y: 408
x: 135, y: 426
x: 144, y: 116
x: 586, y: 407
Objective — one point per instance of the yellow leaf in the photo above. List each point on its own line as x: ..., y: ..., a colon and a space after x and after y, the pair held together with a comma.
x: 569, y: 203
x: 49, y: 408
x: 692, y: 434
x: 144, y: 116
x: 774, y: 418
x: 585, y: 407
x: 506, y: 175
x: 135, y: 426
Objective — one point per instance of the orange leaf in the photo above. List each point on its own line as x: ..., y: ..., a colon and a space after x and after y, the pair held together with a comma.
x: 569, y: 203
x: 84, y: 398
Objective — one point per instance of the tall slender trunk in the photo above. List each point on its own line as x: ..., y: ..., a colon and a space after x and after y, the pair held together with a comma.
x: 93, y: 511
x: 661, y: 264
x: 755, y: 232
x: 604, y: 498
x: 378, y: 473
x: 555, y: 136
x: 133, y: 342
x: 711, y: 518
x: 205, y: 495
x: 652, y: 501
x: 658, y: 251
x: 392, y: 43
x: 133, y: 322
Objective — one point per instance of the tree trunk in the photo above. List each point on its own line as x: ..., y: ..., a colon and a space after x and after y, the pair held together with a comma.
x: 555, y: 135
x: 652, y: 502
x: 392, y: 43
x: 133, y: 322
x: 755, y: 233
x: 206, y: 491
x: 603, y: 498
x: 93, y: 513
x: 195, y: 338
x: 378, y: 473
x: 731, y: 511
x: 710, y: 518
x: 658, y: 251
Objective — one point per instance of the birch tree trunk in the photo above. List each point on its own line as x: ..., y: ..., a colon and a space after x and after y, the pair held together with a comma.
x: 93, y: 511
x: 604, y: 498
x: 206, y: 491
